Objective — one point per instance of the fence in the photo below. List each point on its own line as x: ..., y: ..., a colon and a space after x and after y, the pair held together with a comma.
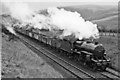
x: 108, y: 34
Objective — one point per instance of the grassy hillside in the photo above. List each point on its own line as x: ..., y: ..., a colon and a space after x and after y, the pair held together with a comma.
x: 94, y: 12
x: 109, y: 24
x: 18, y: 61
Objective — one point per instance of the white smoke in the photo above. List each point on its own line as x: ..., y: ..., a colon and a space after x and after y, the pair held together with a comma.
x: 19, y: 11
x: 9, y: 28
x: 70, y: 22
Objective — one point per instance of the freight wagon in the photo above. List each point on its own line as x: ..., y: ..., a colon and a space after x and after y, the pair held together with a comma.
x: 89, y: 53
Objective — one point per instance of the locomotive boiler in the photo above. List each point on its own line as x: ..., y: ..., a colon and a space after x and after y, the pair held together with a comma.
x: 95, y: 49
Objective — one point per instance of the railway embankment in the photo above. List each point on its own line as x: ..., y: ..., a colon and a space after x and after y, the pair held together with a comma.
x: 18, y: 61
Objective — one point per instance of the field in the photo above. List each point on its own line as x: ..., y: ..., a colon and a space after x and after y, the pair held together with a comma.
x: 94, y: 12
x: 112, y: 51
x: 108, y: 24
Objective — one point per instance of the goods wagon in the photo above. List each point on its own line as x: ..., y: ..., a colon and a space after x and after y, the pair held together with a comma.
x: 90, y: 53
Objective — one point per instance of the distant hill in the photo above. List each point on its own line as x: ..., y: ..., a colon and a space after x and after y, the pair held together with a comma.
x: 93, y: 12
x: 109, y: 24
x: 105, y: 16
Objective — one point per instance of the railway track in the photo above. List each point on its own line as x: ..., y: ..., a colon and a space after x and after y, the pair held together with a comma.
x: 112, y: 71
x: 74, y: 70
x: 110, y: 76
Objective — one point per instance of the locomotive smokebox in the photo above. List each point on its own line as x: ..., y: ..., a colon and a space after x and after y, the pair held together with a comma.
x: 95, y: 49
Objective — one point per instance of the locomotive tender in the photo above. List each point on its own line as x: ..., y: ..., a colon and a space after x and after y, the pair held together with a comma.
x: 89, y: 53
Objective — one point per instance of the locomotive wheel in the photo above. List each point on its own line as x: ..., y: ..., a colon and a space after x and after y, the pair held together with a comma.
x: 65, y: 53
x: 103, y: 68
x: 58, y: 50
x: 61, y: 51
x: 70, y: 55
x: 94, y: 66
x: 88, y: 63
x: 77, y: 57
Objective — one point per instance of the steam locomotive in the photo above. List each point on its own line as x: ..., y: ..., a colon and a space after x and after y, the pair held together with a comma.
x: 89, y: 53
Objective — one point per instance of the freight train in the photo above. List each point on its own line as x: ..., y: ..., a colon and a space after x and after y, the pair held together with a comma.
x: 89, y: 53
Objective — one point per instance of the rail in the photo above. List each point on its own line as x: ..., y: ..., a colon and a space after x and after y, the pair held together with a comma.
x: 79, y: 73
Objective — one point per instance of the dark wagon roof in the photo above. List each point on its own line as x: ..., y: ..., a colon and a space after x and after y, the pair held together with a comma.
x: 55, y: 34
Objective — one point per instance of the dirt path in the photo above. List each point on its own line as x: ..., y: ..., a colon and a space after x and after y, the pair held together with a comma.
x: 19, y: 61
x: 106, y: 18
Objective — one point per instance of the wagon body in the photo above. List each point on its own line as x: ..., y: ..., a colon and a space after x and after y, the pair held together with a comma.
x: 44, y: 39
x: 49, y: 40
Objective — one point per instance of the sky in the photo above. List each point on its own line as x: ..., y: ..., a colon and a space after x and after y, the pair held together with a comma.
x: 62, y: 0
x: 43, y: 4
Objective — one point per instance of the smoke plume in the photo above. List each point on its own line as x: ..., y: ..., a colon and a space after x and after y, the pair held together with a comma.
x: 9, y: 28
x: 70, y: 22
x: 73, y: 23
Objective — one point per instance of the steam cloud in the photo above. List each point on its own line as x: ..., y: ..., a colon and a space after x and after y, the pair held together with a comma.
x: 69, y: 22
x: 9, y: 28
